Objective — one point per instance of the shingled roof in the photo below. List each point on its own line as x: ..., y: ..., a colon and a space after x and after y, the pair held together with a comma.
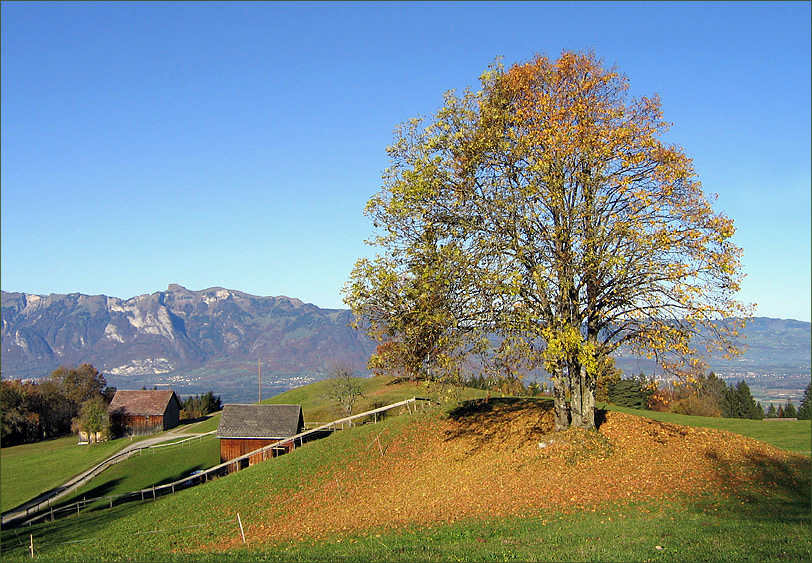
x: 260, y: 421
x: 142, y: 402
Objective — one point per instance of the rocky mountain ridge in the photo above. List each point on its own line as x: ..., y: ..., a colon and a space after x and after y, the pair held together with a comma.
x: 173, y: 331
x: 195, y: 341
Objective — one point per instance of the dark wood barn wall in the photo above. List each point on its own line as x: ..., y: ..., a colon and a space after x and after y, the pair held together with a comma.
x: 231, y: 448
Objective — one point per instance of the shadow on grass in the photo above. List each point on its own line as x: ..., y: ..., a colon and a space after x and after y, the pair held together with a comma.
x: 496, y: 411
x: 75, y: 528
x: 102, y: 490
x: 768, y: 488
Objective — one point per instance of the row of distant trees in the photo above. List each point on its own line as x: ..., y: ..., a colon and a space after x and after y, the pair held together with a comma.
x: 64, y: 402
x: 703, y: 395
x: 201, y: 405
x: 69, y: 400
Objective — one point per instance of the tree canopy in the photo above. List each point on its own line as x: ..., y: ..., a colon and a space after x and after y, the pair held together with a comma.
x: 542, y: 221
x: 70, y: 399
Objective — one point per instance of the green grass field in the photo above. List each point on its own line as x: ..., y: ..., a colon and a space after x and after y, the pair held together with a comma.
x: 29, y: 470
x: 749, y: 526
x: 376, y: 391
x: 153, y: 467
x: 51, y: 463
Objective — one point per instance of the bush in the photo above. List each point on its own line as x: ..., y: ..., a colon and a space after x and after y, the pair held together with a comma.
x: 695, y: 405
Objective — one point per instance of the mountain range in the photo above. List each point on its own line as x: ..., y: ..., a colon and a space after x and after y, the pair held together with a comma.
x: 178, y: 336
x: 230, y: 341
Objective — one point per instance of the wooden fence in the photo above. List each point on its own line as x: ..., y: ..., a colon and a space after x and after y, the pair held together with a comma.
x: 61, y: 492
x: 45, y: 509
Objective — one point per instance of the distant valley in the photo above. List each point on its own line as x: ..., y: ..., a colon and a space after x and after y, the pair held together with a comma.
x: 194, y: 341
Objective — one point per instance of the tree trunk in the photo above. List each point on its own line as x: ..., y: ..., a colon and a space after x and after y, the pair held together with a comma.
x: 562, y: 419
x: 576, y: 391
x: 582, y: 404
x: 587, y: 400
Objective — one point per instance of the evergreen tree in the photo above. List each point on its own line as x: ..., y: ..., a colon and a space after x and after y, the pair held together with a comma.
x: 712, y: 387
x: 804, y: 409
x: 789, y: 410
x: 771, y: 412
x: 780, y: 411
x: 739, y: 403
x: 627, y: 393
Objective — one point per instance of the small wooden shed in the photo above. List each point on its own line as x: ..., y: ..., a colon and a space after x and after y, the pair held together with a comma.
x: 144, y: 412
x: 245, y: 428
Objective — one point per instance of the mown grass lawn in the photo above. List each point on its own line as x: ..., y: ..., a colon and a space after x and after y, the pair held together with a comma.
x: 153, y: 467
x: 29, y: 470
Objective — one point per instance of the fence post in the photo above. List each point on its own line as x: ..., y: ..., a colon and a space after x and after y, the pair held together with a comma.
x: 242, y: 533
x: 32, y: 546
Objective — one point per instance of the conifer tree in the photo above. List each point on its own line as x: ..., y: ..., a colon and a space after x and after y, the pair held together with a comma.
x: 804, y: 409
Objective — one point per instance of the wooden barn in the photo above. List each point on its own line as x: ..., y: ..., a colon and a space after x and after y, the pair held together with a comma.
x: 245, y: 428
x: 144, y: 412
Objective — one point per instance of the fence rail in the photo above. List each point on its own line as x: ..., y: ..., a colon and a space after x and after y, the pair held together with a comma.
x: 49, y: 512
x: 61, y: 492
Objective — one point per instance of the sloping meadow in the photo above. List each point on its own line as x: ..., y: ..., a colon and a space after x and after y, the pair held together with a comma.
x: 458, y: 475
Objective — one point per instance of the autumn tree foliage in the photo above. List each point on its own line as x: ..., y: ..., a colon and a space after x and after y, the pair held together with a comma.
x: 546, y: 210
x: 66, y: 401
x: 93, y: 419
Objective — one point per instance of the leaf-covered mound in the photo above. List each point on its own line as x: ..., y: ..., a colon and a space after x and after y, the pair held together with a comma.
x: 488, y: 459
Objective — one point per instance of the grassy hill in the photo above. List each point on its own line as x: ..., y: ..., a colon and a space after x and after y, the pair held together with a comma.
x: 470, y: 482
x: 51, y: 463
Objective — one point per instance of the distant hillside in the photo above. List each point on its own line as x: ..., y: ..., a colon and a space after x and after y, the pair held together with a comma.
x: 772, y: 346
x: 212, y: 339
x: 177, y: 331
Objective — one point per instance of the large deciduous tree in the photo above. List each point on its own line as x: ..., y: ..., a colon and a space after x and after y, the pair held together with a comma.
x: 546, y: 209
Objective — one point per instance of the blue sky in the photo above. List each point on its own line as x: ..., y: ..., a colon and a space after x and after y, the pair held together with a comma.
x: 236, y: 144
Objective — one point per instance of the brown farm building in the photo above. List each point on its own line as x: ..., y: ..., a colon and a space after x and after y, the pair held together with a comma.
x: 144, y: 412
x: 245, y: 428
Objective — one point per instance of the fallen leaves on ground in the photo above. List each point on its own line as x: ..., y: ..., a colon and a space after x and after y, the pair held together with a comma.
x: 503, y: 458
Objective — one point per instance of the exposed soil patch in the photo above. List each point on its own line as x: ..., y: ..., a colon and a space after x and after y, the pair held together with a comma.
x: 501, y: 457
